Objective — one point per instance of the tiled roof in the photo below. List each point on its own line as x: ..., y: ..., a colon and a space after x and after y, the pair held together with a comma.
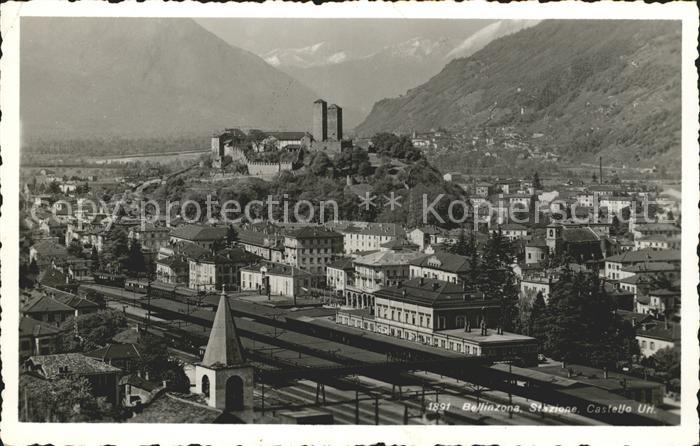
x: 313, y: 232
x: 443, y: 261
x: 50, y: 248
x: 381, y: 258
x: 537, y: 243
x: 433, y: 292
x: 287, y: 135
x: 169, y: 409
x: 45, y: 304
x: 671, y: 333
x: 578, y: 235
x: 34, y: 328
x: 649, y: 255
x: 72, y: 363
x: 116, y: 351
x: 651, y: 267
x: 52, y: 277
x: 73, y: 301
x: 196, y: 233
x: 229, y: 255
x: 343, y: 263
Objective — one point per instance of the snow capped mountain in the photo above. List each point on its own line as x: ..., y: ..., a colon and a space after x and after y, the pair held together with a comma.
x: 320, y: 53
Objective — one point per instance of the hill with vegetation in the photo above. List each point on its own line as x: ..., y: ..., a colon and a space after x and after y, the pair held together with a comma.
x: 584, y: 88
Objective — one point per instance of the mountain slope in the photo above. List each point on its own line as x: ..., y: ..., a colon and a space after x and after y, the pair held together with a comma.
x: 357, y: 83
x: 588, y: 86
x: 147, y: 77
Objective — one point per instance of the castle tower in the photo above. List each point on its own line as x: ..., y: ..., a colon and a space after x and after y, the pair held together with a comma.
x: 320, y: 120
x: 335, y: 123
x: 223, y: 375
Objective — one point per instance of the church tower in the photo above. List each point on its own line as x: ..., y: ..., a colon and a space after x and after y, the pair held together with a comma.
x: 223, y: 376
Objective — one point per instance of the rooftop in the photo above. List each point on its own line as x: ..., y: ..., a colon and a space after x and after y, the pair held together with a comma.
x: 32, y: 327
x: 491, y: 337
x: 310, y: 232
x: 45, y: 304
x: 434, y: 293
x: 51, y: 366
x: 196, y: 233
x: 445, y: 261
x: 646, y: 255
x: 385, y: 258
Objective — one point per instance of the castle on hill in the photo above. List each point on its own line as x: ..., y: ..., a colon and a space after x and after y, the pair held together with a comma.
x: 326, y: 135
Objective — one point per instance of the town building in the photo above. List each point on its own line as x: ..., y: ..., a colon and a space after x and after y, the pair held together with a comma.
x: 173, y: 270
x: 150, y: 236
x: 653, y: 337
x: 513, y: 231
x: 38, y: 338
x: 536, y: 251
x: 658, y: 242
x: 204, y: 236
x: 312, y: 248
x: 339, y: 275
x: 45, y: 251
x: 441, y: 265
x: 441, y: 314
x: 614, y: 264
x: 127, y: 357
x: 103, y: 378
x: 268, y: 245
x: 276, y: 279
x: 214, y: 271
x: 48, y: 310
x: 368, y: 236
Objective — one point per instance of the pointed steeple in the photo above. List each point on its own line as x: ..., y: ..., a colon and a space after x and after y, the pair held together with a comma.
x: 224, y: 347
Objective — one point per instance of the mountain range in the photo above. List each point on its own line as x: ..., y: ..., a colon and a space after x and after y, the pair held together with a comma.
x: 357, y: 80
x: 590, y: 87
x: 135, y: 77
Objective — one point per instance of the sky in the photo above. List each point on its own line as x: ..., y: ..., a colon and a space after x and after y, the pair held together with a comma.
x: 361, y: 36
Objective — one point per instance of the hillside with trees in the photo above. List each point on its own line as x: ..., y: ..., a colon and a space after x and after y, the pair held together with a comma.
x: 584, y: 87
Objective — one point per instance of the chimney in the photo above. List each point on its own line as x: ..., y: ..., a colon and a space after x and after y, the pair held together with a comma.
x: 563, y: 364
x: 465, y: 296
x: 569, y: 372
x: 146, y: 375
x: 165, y: 384
x: 605, y: 373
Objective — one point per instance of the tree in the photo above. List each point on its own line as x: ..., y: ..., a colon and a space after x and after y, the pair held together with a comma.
x: 95, y: 259
x: 231, y: 235
x: 668, y: 361
x: 95, y: 330
x: 538, y: 314
x: 65, y: 399
x: 536, y: 183
x: 136, y: 261
x: 116, y: 248
x: 321, y: 165
x: 75, y: 248
x: 54, y: 188
x: 582, y: 325
x: 461, y: 246
x: 155, y: 360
